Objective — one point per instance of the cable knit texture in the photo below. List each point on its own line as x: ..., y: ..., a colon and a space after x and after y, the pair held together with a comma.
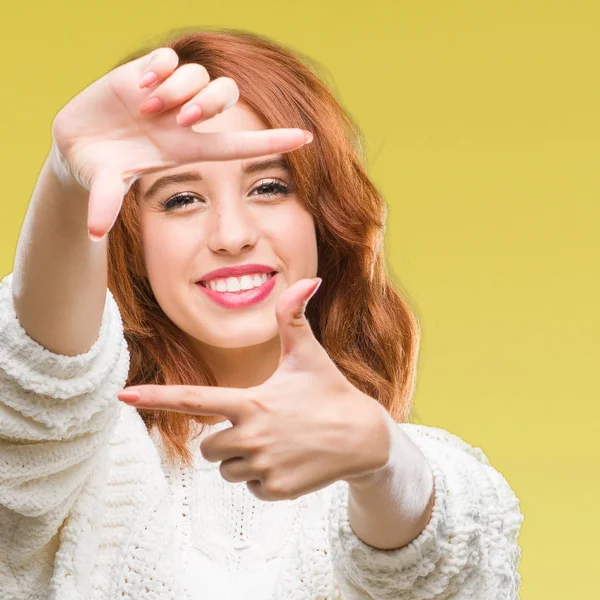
x: 90, y: 508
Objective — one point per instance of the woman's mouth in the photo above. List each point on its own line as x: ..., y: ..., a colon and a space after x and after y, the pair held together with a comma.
x: 239, y: 292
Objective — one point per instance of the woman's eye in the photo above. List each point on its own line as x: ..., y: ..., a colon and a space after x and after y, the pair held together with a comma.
x: 268, y: 189
x: 272, y: 188
x: 179, y: 200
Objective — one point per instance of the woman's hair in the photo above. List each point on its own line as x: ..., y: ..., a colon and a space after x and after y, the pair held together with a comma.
x: 358, y: 316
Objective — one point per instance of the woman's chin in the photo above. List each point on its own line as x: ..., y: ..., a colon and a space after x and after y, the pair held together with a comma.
x: 239, y: 339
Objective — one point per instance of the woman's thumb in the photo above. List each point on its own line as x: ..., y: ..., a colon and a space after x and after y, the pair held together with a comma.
x: 106, y: 197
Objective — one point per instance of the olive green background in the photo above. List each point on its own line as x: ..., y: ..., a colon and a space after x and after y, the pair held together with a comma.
x: 482, y: 124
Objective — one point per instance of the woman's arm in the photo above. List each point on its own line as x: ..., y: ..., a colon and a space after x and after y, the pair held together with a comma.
x: 391, y: 507
x: 63, y: 359
x: 60, y: 275
x: 469, y: 548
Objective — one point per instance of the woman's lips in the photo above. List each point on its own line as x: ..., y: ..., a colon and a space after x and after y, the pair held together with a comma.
x: 243, y: 298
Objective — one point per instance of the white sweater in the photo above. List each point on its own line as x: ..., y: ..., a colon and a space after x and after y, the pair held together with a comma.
x: 91, y: 510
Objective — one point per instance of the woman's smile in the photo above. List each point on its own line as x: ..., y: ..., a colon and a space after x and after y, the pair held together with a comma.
x: 230, y: 292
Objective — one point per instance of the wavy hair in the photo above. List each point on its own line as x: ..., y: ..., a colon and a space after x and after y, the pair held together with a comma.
x: 360, y: 318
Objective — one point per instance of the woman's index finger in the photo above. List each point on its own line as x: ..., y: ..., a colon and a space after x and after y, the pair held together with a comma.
x: 232, y: 145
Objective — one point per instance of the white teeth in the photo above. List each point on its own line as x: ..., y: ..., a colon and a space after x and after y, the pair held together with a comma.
x: 246, y: 282
x: 233, y: 284
x: 236, y: 284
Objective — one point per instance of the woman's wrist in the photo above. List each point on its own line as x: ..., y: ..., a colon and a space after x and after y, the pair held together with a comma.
x: 62, y: 174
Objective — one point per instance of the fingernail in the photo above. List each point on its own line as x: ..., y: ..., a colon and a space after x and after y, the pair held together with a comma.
x: 308, y: 136
x: 318, y: 282
x: 128, y: 396
x: 94, y: 238
x: 148, y: 79
x: 231, y: 102
x: 189, y: 113
x: 151, y: 105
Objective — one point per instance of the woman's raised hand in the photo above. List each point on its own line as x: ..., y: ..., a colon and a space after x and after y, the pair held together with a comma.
x: 133, y: 121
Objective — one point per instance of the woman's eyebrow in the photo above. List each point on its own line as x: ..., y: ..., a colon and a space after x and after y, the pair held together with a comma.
x: 278, y: 162
x: 162, y: 182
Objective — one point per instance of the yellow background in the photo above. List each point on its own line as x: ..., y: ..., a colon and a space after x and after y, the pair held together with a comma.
x: 482, y: 122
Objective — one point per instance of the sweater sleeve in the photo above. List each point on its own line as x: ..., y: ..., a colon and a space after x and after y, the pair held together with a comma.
x: 57, y: 413
x: 469, y: 548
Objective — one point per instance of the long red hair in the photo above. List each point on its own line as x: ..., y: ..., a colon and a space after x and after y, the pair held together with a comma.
x: 359, y: 317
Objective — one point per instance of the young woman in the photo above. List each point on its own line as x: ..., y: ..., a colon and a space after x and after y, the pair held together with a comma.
x: 268, y: 451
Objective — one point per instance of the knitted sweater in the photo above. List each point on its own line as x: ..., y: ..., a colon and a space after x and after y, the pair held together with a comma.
x: 91, y: 510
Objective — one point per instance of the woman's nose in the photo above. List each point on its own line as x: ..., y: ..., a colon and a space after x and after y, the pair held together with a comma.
x: 233, y: 230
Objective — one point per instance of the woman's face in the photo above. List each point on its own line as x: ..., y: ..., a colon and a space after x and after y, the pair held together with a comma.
x: 227, y: 214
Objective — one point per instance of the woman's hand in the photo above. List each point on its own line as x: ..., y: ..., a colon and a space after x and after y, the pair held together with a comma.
x: 302, y: 429
x: 131, y: 121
